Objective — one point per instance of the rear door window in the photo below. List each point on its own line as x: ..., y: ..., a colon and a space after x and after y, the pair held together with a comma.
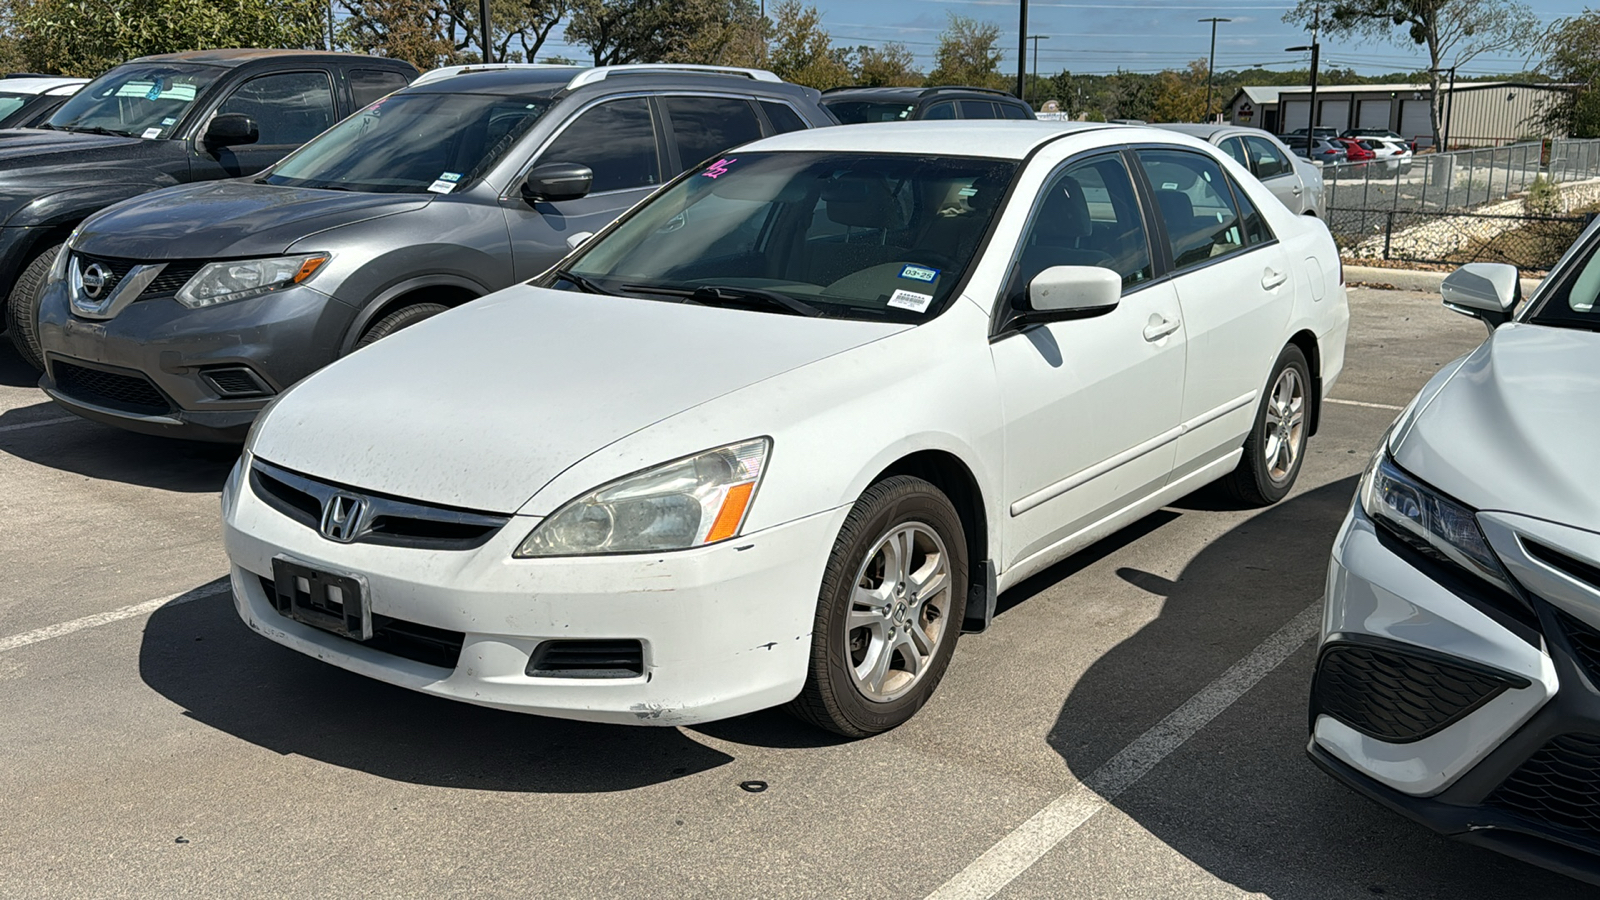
x: 617, y: 140
x: 367, y: 85
x: 978, y: 109
x: 703, y: 127
x: 1196, y: 205
x: 783, y: 117
x: 943, y: 110
x: 1007, y: 111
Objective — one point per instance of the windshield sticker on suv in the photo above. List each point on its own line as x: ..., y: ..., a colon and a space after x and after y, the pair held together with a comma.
x: 719, y: 168
x: 904, y: 299
x: 919, y: 273
x: 168, y: 121
x: 151, y: 133
x: 155, y: 90
x: 445, y: 183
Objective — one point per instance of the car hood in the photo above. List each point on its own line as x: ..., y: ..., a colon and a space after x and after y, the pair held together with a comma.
x: 1515, y: 428
x: 229, y: 218
x: 18, y: 144
x: 480, y: 407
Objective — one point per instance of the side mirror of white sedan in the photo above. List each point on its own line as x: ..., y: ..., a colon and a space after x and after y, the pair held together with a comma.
x: 1066, y: 291
x: 574, y: 241
x: 1487, y: 291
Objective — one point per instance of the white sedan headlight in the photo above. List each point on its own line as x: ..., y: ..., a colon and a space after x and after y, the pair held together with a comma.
x: 1430, y: 521
x: 225, y: 282
x: 687, y: 503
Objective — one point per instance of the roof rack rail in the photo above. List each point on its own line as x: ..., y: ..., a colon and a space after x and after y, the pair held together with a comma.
x: 444, y: 72
x: 964, y: 87
x: 601, y: 73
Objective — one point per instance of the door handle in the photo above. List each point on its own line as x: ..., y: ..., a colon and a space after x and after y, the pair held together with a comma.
x: 1272, y: 278
x: 1295, y: 190
x: 1159, y: 327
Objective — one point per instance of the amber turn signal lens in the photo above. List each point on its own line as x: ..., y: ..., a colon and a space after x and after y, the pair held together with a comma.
x: 732, y: 512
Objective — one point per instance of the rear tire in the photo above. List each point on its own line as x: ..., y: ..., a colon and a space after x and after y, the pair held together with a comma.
x: 400, y: 318
x: 22, y: 306
x: 893, y: 598
x: 1276, y: 447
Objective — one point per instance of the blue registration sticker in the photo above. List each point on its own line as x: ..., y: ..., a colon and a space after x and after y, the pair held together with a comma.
x: 919, y: 273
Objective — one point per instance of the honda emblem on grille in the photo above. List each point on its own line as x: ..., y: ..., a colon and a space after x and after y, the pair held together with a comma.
x: 94, y: 280
x: 343, y: 517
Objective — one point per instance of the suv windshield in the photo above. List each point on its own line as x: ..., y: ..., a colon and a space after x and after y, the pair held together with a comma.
x: 848, y: 235
x: 858, y: 112
x: 138, y: 100
x: 1573, y: 305
x: 412, y: 143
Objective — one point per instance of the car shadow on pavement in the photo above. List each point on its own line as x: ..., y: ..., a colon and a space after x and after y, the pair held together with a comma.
x: 111, y: 454
x: 1240, y: 798
x: 202, y: 658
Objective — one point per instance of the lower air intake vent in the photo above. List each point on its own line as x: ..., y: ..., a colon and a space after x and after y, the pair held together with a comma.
x: 1559, y: 786
x: 1397, y: 697
x: 587, y: 659
x: 236, y: 381
x: 129, y: 393
x: 1585, y: 644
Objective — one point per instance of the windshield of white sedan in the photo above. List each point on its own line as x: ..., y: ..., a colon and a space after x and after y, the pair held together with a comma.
x: 844, y: 235
x: 143, y: 100
x: 1575, y: 304
x: 412, y: 144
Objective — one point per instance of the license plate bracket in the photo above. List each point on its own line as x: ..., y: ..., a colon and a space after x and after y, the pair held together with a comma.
x: 331, y: 602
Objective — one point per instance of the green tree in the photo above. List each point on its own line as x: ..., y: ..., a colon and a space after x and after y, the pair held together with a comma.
x: 87, y: 37
x: 968, y: 54
x: 800, y: 49
x: 416, y: 31
x: 1180, y: 96
x: 1571, y: 57
x: 891, y: 65
x: 1454, y: 32
x: 640, y: 31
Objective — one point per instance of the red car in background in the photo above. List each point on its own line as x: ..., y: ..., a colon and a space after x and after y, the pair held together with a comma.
x: 1356, y: 151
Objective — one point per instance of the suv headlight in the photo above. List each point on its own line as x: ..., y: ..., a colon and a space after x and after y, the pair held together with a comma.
x: 225, y: 282
x: 686, y: 503
x: 1427, y: 519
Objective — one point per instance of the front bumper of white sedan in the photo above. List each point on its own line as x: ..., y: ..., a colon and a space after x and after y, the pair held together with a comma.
x: 700, y: 634
x: 1467, y: 709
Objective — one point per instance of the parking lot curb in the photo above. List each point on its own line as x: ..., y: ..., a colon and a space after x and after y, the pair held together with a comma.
x: 1410, y: 279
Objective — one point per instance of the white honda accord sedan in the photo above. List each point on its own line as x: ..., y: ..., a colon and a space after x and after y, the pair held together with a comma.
x: 781, y: 432
x: 1459, y: 676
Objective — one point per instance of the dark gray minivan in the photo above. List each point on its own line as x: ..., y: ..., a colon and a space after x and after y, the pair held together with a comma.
x: 185, y: 311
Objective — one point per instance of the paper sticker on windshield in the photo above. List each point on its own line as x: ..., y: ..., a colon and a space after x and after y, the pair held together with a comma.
x: 155, y: 90
x: 903, y: 299
x: 719, y: 168
x: 919, y: 273
x: 151, y: 133
x: 445, y: 183
x: 168, y: 121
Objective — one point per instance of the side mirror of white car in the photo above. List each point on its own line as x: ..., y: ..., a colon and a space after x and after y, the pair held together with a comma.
x: 1062, y: 292
x: 1487, y: 291
x: 574, y: 241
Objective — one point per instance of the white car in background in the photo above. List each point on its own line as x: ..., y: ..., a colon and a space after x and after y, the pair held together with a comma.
x: 1391, y: 153
x: 780, y: 432
x: 28, y: 100
x: 1458, y: 680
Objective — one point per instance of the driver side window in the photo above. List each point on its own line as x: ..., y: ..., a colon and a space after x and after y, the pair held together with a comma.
x: 290, y: 108
x: 1087, y: 215
x: 617, y: 140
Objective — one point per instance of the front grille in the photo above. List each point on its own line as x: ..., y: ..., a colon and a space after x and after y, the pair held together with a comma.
x: 166, y: 284
x: 1585, y: 643
x: 407, y: 640
x: 171, y: 279
x: 1395, y: 696
x: 116, y: 269
x: 1558, y: 787
x: 129, y: 393
x: 587, y: 659
x: 388, y: 521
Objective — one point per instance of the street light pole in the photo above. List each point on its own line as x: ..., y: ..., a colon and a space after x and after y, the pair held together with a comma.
x: 488, y: 50
x: 1022, y: 54
x: 1316, y: 54
x: 1036, y: 38
x: 1211, y: 64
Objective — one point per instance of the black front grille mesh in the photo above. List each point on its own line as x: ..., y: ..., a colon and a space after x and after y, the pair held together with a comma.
x: 115, y: 269
x: 171, y: 279
x: 129, y: 393
x: 587, y: 659
x: 1394, y: 696
x: 1585, y: 643
x: 1559, y: 786
x: 236, y: 381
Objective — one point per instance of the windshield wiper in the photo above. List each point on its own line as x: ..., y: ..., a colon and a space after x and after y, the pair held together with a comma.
x: 98, y: 129
x: 719, y: 295
x: 583, y: 284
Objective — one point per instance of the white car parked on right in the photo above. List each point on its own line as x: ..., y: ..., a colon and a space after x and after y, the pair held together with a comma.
x: 1459, y: 676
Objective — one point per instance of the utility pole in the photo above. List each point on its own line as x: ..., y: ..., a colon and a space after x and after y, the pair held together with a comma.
x: 1036, y: 38
x: 488, y: 49
x: 1211, y: 65
x: 1449, y: 107
x: 1316, y: 54
x: 330, y: 25
x: 1022, y: 54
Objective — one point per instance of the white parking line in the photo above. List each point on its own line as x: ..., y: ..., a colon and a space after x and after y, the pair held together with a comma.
x: 1367, y: 405
x: 1014, y: 853
x: 61, y: 629
x: 59, y: 420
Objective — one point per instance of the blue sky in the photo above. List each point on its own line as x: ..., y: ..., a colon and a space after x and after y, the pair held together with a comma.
x: 1096, y: 36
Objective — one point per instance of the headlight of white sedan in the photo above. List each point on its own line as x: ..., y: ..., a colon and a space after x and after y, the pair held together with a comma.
x: 1428, y: 519
x: 225, y: 282
x: 686, y: 503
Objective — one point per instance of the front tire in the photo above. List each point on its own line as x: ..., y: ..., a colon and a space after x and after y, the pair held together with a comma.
x: 893, y: 597
x: 23, y: 306
x: 404, y: 317
x: 1276, y: 446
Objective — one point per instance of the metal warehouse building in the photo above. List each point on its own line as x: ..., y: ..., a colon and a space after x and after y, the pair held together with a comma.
x: 1479, y: 114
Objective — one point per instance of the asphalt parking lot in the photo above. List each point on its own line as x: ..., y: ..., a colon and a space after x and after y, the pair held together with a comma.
x: 1132, y: 726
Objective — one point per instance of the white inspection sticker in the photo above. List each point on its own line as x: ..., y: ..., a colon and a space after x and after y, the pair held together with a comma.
x: 445, y: 183
x: 904, y: 299
x: 150, y: 133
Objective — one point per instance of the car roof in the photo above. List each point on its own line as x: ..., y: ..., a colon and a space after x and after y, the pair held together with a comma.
x: 991, y: 138
x: 543, y: 80
x: 911, y: 94
x: 37, y: 85
x: 239, y: 57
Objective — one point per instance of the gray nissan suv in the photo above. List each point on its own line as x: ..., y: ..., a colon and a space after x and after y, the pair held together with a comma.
x: 185, y: 311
